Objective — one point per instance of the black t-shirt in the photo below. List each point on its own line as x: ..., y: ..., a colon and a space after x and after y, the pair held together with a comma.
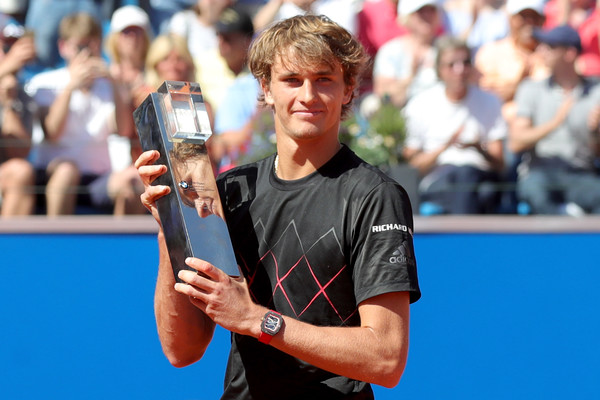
x: 313, y: 249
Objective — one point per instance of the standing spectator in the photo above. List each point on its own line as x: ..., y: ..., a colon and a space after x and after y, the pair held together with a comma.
x: 459, y: 152
x: 557, y: 129
x: 78, y: 110
x: 503, y: 64
x: 406, y: 65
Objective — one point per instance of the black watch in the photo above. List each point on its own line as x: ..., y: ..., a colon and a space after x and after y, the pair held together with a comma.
x: 270, y: 325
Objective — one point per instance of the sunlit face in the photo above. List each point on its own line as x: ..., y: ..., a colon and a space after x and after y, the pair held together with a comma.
x: 233, y: 47
x: 455, y: 68
x: 424, y: 22
x: 131, y: 40
x: 307, y: 99
x: 522, y: 26
x: 553, y: 56
x: 174, y: 67
x: 71, y: 47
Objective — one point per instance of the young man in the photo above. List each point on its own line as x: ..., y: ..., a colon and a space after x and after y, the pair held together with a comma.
x: 321, y: 237
x: 556, y: 130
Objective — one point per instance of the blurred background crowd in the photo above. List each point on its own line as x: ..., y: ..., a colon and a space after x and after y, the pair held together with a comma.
x: 475, y: 106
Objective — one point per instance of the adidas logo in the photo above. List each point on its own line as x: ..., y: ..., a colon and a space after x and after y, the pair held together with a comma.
x: 400, y: 255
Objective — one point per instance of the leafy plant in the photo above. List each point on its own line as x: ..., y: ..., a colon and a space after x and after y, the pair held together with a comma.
x: 380, y: 138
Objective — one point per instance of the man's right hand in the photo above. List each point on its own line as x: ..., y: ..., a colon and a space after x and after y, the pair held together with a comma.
x: 148, y: 172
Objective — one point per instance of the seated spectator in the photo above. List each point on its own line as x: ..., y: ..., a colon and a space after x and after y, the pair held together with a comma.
x: 234, y: 119
x: 404, y: 66
x: 126, y: 46
x: 17, y: 180
x: 78, y: 110
x: 16, y: 173
x: 556, y: 128
x: 458, y: 151
x: 169, y: 59
x: 503, y: 64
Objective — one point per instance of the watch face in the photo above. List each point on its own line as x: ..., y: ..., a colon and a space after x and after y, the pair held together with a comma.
x: 272, y: 323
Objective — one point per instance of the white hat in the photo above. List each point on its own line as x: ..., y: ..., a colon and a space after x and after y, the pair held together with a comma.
x: 129, y: 16
x: 516, y: 6
x: 12, y: 6
x: 406, y: 7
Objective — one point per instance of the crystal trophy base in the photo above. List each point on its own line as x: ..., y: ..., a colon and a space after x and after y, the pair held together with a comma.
x: 174, y: 121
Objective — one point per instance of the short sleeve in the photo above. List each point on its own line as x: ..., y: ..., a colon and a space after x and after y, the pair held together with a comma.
x: 384, y: 257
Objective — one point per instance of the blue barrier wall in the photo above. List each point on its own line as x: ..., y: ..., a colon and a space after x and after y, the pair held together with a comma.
x: 503, y: 316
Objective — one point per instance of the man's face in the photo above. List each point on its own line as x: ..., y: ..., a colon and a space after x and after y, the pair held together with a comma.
x: 307, y: 99
x: 233, y: 47
x: 173, y: 67
x: 71, y: 47
x: 522, y: 26
x: 553, y: 56
x: 455, y: 69
x: 424, y: 22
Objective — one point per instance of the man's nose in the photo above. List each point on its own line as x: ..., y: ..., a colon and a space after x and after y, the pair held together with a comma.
x: 307, y: 91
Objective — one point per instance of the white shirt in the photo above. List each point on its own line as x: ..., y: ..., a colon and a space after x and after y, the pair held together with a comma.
x: 432, y: 119
x: 88, y: 126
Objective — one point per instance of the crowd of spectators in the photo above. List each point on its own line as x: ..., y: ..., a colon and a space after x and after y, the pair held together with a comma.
x: 499, y: 97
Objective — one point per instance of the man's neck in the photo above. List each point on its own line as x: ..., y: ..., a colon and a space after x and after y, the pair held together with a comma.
x: 297, y: 160
x: 567, y: 78
x: 456, y: 95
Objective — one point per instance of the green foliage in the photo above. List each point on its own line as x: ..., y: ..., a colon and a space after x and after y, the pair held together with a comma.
x: 379, y: 139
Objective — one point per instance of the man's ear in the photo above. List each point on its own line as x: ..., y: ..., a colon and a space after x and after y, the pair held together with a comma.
x: 348, y: 89
x: 266, y: 88
x: 62, y: 50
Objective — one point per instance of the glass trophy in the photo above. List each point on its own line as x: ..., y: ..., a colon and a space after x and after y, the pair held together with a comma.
x: 174, y: 121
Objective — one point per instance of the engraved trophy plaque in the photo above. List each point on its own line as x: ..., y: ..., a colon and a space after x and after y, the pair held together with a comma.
x: 174, y: 121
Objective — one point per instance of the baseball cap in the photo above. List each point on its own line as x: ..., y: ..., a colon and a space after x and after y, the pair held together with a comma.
x: 562, y: 35
x: 235, y: 20
x: 406, y: 7
x: 10, y: 29
x: 516, y: 6
x: 129, y: 16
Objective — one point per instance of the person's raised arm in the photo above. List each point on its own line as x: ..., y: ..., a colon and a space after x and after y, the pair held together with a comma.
x: 523, y: 135
x: 374, y: 352
x: 184, y: 330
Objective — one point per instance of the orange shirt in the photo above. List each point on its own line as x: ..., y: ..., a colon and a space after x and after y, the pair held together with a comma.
x: 502, y: 66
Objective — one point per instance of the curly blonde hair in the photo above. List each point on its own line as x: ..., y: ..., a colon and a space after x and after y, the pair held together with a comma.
x: 316, y: 40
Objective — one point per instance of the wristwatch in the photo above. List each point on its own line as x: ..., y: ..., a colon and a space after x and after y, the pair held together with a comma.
x: 270, y: 325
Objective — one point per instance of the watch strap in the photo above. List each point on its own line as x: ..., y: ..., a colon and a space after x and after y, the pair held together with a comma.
x: 267, y: 332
